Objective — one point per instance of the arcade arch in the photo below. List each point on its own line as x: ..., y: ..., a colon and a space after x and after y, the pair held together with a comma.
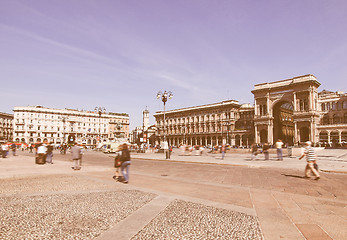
x: 283, y: 122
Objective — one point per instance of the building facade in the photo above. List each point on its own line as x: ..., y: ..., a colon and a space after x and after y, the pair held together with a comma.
x: 37, y: 123
x: 292, y: 110
x: 332, y: 129
x: 6, y: 127
x: 227, y: 122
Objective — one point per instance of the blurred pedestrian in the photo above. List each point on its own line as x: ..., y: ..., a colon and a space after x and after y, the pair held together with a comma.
x: 266, y: 148
x: 125, y: 159
x: 223, y: 151
x: 254, y: 150
x: 49, y: 154
x: 76, y: 153
x: 41, y: 151
x: 278, y: 146
x: 4, y: 148
x: 311, y: 161
x: 166, y: 149
x: 117, y: 164
x: 13, y: 148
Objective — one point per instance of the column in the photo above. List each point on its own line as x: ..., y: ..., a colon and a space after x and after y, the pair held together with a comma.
x: 256, y: 136
x: 310, y: 100
x: 270, y: 134
x: 295, y: 132
x: 294, y: 100
x: 340, y: 137
x: 255, y: 107
x: 312, y: 133
x: 268, y: 104
x: 329, y: 137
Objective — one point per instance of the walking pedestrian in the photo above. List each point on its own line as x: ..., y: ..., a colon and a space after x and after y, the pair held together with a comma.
x: 49, y: 155
x: 311, y: 161
x: 223, y: 151
x: 117, y: 164
x: 76, y: 156
x: 41, y: 153
x: 13, y: 148
x: 278, y: 146
x: 125, y: 159
x: 4, y: 148
x: 166, y: 149
x: 266, y: 148
x: 254, y: 149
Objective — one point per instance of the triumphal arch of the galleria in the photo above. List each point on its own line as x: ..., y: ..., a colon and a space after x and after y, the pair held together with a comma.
x: 291, y: 110
x: 287, y: 110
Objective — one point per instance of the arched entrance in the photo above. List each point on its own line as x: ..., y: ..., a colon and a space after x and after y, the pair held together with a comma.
x: 283, y: 122
x: 263, y: 136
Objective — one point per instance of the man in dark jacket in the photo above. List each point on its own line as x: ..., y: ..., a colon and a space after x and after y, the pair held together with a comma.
x: 125, y: 159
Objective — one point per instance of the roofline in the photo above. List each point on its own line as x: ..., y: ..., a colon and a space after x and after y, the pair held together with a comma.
x: 212, y: 105
x: 68, y: 111
x: 286, y: 82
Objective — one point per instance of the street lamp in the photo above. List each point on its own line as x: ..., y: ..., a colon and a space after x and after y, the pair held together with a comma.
x: 164, y: 97
x: 183, y: 129
x: 100, y: 111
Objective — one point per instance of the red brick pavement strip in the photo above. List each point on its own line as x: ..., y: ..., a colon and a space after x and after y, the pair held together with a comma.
x: 329, y: 166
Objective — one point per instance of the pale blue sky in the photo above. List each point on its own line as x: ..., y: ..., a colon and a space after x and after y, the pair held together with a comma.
x: 119, y: 53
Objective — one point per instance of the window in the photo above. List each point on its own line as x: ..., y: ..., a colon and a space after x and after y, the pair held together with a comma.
x: 333, y: 106
x: 303, y: 104
x: 344, y: 105
x: 262, y: 110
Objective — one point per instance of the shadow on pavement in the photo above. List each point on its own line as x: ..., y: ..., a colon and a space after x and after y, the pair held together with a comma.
x: 294, y: 176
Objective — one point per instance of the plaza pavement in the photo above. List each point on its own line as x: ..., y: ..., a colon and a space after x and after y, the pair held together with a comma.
x: 278, y: 214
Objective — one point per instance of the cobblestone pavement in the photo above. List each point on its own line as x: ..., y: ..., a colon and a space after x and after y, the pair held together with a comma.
x: 178, y: 199
x: 187, y: 220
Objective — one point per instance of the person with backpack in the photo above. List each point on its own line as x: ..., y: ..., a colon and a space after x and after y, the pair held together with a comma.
x: 118, y: 164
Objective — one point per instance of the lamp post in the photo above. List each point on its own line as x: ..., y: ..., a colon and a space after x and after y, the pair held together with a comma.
x: 183, y: 129
x: 64, y: 119
x: 100, y: 111
x: 164, y: 97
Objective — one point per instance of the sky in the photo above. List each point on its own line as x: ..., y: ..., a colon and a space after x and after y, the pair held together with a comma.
x: 118, y: 54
